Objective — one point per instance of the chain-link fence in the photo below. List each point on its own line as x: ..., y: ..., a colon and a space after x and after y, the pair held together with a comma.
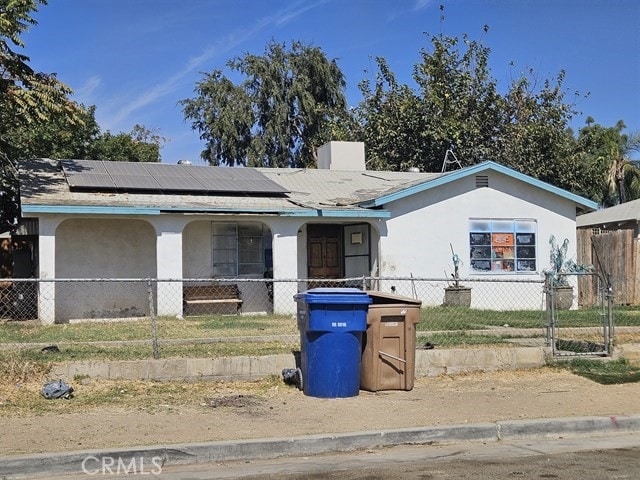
x: 589, y: 330
x: 132, y: 318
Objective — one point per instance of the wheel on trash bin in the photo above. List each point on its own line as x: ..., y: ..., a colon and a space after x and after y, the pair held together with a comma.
x: 293, y: 377
x: 299, y: 383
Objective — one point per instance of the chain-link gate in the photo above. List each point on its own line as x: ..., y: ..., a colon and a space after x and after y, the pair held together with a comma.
x: 587, y: 332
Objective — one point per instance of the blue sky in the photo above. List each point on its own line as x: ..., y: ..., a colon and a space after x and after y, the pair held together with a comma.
x: 136, y: 59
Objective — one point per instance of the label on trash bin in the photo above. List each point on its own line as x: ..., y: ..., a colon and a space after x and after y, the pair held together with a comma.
x: 339, y: 324
x: 390, y: 324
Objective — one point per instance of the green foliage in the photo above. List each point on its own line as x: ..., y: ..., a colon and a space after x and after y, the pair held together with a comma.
x: 27, y: 99
x: 606, y: 152
x: 140, y: 145
x: 456, y: 106
x: 533, y: 134
x: 290, y: 102
x: 604, y: 371
x: 38, y: 119
x: 387, y: 123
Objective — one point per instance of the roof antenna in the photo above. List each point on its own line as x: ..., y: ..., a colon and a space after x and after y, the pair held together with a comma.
x: 449, y: 161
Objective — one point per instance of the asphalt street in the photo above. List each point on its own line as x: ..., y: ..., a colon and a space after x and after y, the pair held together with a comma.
x: 595, y: 458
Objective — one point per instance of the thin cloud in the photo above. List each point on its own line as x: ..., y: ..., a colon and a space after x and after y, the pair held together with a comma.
x: 287, y: 17
x: 225, y: 45
x: 85, y: 92
x: 421, y: 5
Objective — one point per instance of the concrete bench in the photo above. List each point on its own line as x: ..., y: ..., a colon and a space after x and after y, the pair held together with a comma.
x: 216, y: 299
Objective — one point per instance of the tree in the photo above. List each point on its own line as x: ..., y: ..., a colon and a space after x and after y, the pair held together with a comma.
x: 56, y: 138
x: 533, y: 135
x: 456, y: 106
x: 387, y: 121
x: 290, y: 102
x: 61, y: 138
x: 608, y: 152
x: 459, y: 100
x: 140, y: 145
x: 27, y: 98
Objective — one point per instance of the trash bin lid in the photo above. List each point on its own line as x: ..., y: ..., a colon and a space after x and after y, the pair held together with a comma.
x: 384, y: 298
x: 334, y: 295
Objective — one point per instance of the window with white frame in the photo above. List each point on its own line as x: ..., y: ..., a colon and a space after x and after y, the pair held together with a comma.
x: 502, y: 245
x: 241, y: 249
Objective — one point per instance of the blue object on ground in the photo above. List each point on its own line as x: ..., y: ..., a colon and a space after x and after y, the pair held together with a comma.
x: 331, y: 323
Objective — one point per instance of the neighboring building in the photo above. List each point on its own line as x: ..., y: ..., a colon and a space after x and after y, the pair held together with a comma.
x: 625, y: 216
x: 126, y: 220
x: 609, y: 239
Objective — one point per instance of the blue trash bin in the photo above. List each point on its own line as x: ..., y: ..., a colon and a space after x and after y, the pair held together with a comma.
x: 331, y: 323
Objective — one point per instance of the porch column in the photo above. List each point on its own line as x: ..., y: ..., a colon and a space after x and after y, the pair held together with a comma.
x: 169, y: 266
x: 47, y: 268
x: 285, y: 265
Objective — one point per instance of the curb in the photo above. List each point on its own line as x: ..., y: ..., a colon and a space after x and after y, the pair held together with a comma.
x: 181, y: 454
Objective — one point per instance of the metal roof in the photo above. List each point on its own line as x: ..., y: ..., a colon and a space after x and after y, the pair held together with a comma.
x: 625, y: 212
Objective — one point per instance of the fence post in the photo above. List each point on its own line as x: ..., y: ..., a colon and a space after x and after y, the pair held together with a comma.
x: 154, y: 331
x: 549, y: 301
x: 611, y: 323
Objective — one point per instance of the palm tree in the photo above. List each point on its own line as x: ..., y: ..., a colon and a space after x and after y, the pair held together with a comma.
x: 610, y: 152
x: 624, y: 175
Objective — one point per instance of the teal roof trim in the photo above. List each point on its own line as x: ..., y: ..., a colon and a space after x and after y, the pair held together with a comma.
x: 473, y: 170
x: 99, y: 210
x: 339, y: 213
x: 90, y: 209
x: 307, y: 212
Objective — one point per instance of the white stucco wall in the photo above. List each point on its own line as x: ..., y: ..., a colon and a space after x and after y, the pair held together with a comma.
x: 196, y: 250
x: 103, y: 248
x: 424, y: 225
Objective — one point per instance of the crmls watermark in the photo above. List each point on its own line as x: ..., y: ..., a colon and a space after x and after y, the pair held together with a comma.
x: 122, y: 466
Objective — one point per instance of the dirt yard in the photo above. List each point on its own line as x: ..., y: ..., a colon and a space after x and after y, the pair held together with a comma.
x: 111, y: 414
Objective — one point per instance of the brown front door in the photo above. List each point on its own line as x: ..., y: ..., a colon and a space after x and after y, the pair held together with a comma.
x: 324, y: 251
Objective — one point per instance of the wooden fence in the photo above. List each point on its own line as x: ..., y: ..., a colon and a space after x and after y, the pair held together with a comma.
x: 615, y: 253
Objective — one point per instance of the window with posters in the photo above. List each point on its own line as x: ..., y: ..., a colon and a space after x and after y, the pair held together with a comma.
x: 502, y: 245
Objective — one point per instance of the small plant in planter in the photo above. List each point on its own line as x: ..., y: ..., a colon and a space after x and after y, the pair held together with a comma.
x: 456, y: 294
x: 557, y: 273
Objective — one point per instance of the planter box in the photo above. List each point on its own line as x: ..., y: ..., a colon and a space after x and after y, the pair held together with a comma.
x: 564, y: 298
x: 457, y: 297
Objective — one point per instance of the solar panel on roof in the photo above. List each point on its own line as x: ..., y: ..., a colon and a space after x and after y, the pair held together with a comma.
x: 86, y: 173
x: 131, y: 176
x: 174, y: 177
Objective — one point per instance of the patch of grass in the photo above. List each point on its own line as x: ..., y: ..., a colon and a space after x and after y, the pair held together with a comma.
x: 460, y: 318
x: 167, y: 328
x: 149, y: 396
x: 16, y: 368
x: 258, y: 325
x: 457, y: 340
x: 81, y: 352
x: 606, y: 372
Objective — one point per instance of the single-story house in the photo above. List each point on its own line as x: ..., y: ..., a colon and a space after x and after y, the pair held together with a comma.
x: 99, y: 219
